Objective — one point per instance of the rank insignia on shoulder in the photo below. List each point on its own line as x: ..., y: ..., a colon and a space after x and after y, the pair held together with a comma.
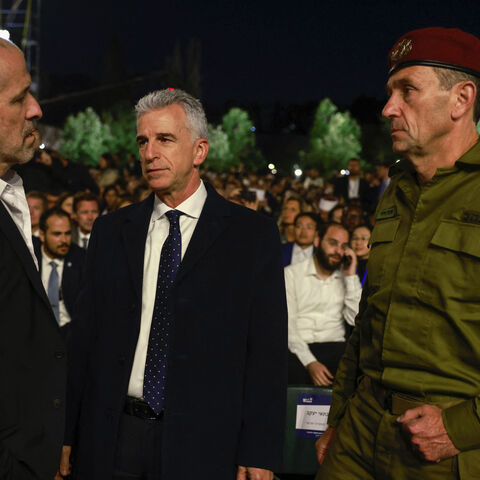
x: 470, y: 216
x: 389, y: 212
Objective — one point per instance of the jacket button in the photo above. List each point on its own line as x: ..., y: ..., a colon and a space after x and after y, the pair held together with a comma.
x: 57, y: 403
x: 59, y: 355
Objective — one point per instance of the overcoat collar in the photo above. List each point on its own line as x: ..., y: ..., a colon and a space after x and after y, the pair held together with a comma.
x: 7, y: 225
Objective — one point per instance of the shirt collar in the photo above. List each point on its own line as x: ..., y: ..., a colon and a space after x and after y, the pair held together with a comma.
x: 192, y: 206
x: 311, y: 270
x: 46, y: 259
x: 12, y: 179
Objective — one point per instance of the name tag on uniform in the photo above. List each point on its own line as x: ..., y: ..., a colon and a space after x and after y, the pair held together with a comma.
x: 312, y: 415
x: 385, y: 213
x: 470, y: 216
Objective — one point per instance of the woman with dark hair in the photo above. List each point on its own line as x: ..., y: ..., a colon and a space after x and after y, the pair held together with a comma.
x: 109, y: 199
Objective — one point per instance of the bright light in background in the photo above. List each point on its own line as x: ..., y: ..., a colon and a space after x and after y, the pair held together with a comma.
x: 42, y: 146
x: 271, y: 166
x: 342, y: 172
x: 396, y: 161
x: 274, y: 171
x: 298, y: 172
x: 252, y: 128
x: 5, y: 34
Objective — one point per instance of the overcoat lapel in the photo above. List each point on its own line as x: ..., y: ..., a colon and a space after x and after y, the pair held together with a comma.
x: 210, y: 225
x: 17, y: 242
x: 135, y: 231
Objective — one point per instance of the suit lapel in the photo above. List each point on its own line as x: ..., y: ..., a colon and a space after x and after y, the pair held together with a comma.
x: 134, y: 232
x: 211, y: 223
x: 17, y: 242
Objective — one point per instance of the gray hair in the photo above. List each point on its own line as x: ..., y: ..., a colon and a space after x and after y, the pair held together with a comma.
x: 449, y: 77
x: 196, y: 120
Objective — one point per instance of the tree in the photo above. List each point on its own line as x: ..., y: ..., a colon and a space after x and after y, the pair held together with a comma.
x: 334, y: 138
x: 122, y: 123
x: 85, y: 137
x: 233, y: 142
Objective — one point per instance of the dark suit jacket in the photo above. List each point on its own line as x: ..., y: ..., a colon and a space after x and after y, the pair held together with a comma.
x: 287, y: 252
x: 225, y: 400
x: 364, y: 191
x: 32, y: 365
x: 72, y: 276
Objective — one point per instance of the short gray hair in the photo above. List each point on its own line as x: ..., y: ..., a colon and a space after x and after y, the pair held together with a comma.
x: 449, y: 77
x: 196, y: 120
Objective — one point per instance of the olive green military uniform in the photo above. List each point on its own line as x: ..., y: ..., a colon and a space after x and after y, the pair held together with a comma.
x: 418, y: 330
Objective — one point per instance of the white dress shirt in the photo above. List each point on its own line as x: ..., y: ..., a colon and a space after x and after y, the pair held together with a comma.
x: 300, y: 254
x: 12, y: 195
x: 353, y: 187
x: 82, y: 237
x: 46, y: 270
x: 156, y: 236
x: 317, y: 308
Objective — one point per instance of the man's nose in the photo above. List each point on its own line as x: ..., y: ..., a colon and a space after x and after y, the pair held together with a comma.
x: 391, y: 107
x: 33, y: 112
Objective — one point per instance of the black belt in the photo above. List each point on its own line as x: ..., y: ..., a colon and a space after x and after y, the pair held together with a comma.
x: 141, y: 409
x: 396, y: 403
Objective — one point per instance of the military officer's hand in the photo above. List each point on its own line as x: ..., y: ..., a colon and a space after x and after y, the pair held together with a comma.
x: 320, y: 374
x: 351, y: 267
x: 323, y: 443
x: 427, y: 433
x: 252, y: 473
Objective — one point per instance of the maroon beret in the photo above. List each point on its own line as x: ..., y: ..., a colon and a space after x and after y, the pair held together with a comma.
x: 437, y: 47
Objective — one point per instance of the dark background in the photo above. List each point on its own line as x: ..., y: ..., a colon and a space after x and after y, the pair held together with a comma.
x: 276, y: 59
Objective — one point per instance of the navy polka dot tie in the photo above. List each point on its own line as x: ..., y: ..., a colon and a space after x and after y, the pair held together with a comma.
x: 157, y: 354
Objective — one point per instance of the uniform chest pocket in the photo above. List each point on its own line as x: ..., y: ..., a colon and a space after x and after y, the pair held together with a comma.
x: 451, y: 266
x: 381, y: 242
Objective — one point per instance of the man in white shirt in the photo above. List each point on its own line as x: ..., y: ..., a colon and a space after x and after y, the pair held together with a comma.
x: 178, y: 353
x: 323, y: 293
x: 306, y: 238
x: 33, y: 362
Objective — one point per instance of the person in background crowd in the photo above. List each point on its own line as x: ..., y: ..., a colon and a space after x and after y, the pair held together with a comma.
x: 406, y: 401
x: 353, y: 216
x: 325, y: 206
x: 32, y: 351
x: 108, y: 174
x: 37, y: 204
x: 306, y: 238
x: 360, y: 242
x: 382, y: 175
x: 352, y: 186
x: 85, y: 212
x: 61, y: 265
x: 323, y: 294
x: 65, y: 202
x: 178, y: 375
x: 336, y: 214
x: 290, y: 209
x: 110, y: 200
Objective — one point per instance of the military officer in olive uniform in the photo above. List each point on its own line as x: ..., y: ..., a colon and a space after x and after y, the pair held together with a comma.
x: 406, y: 402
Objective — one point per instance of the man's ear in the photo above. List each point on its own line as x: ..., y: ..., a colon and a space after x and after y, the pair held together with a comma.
x: 316, y: 241
x: 41, y: 235
x: 200, y: 151
x: 465, y: 94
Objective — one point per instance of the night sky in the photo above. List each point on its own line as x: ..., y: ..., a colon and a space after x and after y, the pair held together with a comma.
x: 262, y: 51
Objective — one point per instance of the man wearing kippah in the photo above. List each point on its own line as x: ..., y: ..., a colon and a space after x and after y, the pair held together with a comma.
x: 406, y: 401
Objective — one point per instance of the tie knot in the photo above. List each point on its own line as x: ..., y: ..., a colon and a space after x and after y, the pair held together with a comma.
x: 173, y: 216
x: 53, y: 265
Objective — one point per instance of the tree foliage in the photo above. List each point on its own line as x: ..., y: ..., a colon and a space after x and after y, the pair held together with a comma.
x: 233, y: 142
x: 86, y: 135
x: 334, y: 138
